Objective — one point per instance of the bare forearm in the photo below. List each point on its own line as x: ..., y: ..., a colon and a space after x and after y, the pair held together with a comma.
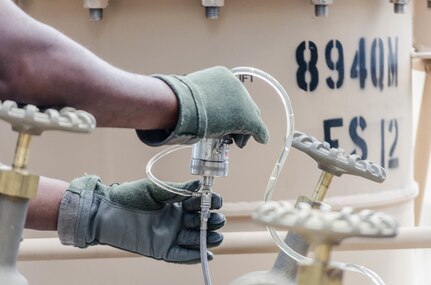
x: 39, y: 65
x: 43, y: 209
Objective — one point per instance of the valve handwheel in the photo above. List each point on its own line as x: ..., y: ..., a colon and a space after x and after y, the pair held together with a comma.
x: 336, y: 161
x: 31, y: 120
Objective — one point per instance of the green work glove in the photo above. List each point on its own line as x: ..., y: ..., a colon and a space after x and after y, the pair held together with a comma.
x: 138, y: 217
x: 212, y: 103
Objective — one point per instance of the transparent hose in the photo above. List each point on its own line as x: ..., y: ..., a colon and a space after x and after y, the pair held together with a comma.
x: 204, y: 257
x: 182, y: 192
x: 161, y: 183
x: 278, y: 167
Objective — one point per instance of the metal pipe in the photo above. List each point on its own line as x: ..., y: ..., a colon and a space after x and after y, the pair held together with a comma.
x: 422, y: 151
x: 234, y: 243
x: 12, y: 218
x: 261, y: 242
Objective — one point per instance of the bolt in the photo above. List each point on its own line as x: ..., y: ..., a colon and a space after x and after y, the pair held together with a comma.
x: 212, y: 12
x: 321, y: 10
x: 96, y: 14
x: 399, y: 8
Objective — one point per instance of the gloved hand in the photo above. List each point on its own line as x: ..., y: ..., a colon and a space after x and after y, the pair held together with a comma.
x: 212, y: 103
x: 138, y: 217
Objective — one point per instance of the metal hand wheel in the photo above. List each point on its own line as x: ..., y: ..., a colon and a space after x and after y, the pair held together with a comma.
x: 324, y: 229
x: 31, y: 120
x: 335, y: 160
x: 324, y: 225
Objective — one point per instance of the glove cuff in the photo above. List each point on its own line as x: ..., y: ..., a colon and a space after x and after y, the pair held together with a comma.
x: 192, y: 120
x: 75, y: 211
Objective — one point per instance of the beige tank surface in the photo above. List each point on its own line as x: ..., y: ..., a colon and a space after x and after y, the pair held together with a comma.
x: 348, y: 75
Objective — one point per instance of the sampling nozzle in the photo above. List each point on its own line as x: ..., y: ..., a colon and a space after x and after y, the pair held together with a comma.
x: 210, y: 157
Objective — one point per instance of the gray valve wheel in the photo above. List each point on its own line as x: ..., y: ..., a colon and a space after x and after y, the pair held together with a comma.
x: 325, y: 225
x: 31, y: 120
x: 335, y: 161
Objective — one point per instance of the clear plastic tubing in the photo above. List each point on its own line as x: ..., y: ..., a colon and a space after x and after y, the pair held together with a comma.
x: 161, y: 183
x: 279, y: 165
x: 204, y: 257
x: 203, y: 232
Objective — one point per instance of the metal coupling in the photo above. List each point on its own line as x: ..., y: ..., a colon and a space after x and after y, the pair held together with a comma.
x: 206, y: 196
x: 212, y: 8
x: 210, y: 157
x: 18, y: 183
x: 399, y: 5
x: 321, y: 7
x: 95, y: 8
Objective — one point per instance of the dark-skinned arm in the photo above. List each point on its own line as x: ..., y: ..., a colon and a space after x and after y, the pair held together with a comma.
x: 41, y: 66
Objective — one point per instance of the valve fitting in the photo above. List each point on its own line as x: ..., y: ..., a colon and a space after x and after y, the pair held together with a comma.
x: 18, y: 183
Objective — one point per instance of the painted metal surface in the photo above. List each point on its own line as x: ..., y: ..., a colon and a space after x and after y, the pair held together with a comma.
x: 348, y: 76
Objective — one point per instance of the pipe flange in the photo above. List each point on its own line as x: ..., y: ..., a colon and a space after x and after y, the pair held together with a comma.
x: 31, y: 121
x: 325, y: 226
x: 335, y: 160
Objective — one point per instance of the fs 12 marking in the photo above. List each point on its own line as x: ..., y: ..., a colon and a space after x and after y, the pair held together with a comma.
x: 389, y: 135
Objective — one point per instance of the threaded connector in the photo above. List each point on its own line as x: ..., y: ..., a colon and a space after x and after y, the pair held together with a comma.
x: 96, y: 14
x: 321, y: 10
x: 399, y: 8
x: 212, y: 13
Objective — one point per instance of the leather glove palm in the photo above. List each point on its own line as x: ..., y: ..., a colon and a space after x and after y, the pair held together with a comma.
x: 212, y: 103
x: 138, y: 217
